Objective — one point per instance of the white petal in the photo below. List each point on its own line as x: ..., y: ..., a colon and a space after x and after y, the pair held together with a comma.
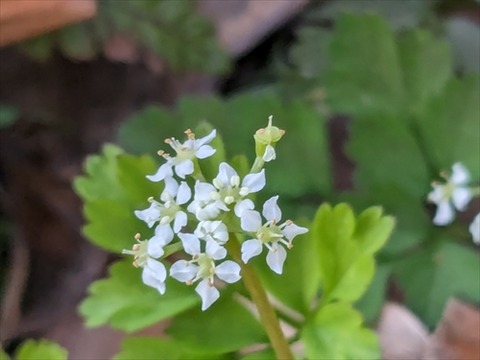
x: 220, y: 231
x: 461, y: 197
x: 155, y: 246
x: 201, y: 230
x: 183, y: 271
x: 251, y: 248
x: 460, y: 174
x: 180, y: 221
x: 149, y: 278
x: 251, y: 220
x: 269, y: 154
x: 149, y: 215
x: 171, y: 186
x: 276, y: 257
x: 184, y: 168
x: 164, y: 171
x: 437, y: 195
x: 203, y: 191
x: 205, y: 151
x: 164, y: 232
x: 243, y: 205
x: 208, y: 293
x: 475, y: 229
x: 190, y: 242
x: 255, y: 182
x: 215, y: 251
x: 271, y: 211
x: 206, y: 139
x: 184, y: 193
x: 154, y: 274
x: 228, y: 271
x: 225, y: 173
x: 208, y: 212
x: 158, y: 268
x: 292, y: 230
x: 444, y: 214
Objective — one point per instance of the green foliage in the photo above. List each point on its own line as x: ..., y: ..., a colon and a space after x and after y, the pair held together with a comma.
x: 411, y: 117
x: 163, y: 27
x: 40, y: 350
x: 143, y: 348
x: 236, y: 119
x: 450, y: 127
x: 300, y: 272
x: 3, y: 355
x: 336, y: 332
x: 8, y: 115
x: 230, y: 327
x: 431, y: 276
x: 113, y: 187
x: 345, y: 247
x: 125, y: 303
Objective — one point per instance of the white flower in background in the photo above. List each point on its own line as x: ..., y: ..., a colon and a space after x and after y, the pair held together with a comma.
x: 454, y: 194
x: 212, y: 231
x: 269, y: 234
x: 202, y: 268
x: 475, y: 229
x: 185, y: 154
x: 169, y: 211
x: 205, y: 204
x: 145, y: 252
x: 230, y: 190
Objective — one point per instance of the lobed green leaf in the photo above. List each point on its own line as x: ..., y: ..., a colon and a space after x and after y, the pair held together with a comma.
x: 144, y: 348
x: 430, y: 277
x: 228, y: 327
x: 345, y: 247
x: 125, y: 303
x: 336, y: 332
x: 40, y: 350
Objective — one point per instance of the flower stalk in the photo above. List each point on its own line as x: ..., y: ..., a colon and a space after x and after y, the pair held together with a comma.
x: 268, y: 316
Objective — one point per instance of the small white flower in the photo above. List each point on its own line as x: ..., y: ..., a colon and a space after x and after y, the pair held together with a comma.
x: 202, y: 268
x: 205, y: 204
x: 145, y: 252
x: 185, y: 154
x: 269, y: 234
x: 230, y: 191
x: 454, y: 194
x: 475, y: 229
x: 169, y: 210
x: 212, y: 231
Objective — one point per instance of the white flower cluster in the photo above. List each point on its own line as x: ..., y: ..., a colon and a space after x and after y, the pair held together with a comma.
x: 454, y: 194
x: 201, y: 221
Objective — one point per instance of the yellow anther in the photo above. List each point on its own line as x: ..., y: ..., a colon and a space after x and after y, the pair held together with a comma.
x: 189, y: 134
x: 138, y: 236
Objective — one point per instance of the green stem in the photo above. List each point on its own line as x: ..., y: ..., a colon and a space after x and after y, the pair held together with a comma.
x: 172, y: 249
x: 268, y: 316
x: 257, y: 165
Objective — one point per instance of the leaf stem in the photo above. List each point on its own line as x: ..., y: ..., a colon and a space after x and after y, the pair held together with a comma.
x: 268, y: 316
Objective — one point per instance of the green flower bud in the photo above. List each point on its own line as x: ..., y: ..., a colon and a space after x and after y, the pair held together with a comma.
x: 265, y: 140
